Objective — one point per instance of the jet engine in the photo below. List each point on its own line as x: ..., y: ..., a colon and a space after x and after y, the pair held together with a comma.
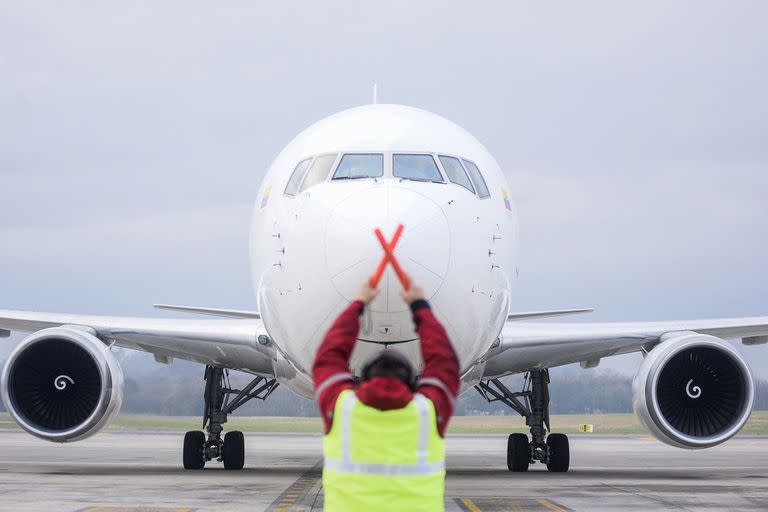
x: 693, y: 391
x: 62, y: 384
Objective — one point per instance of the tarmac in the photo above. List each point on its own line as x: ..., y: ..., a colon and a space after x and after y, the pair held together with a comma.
x: 120, y: 472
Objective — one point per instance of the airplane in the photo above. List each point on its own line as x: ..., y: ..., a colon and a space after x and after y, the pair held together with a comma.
x: 312, y: 243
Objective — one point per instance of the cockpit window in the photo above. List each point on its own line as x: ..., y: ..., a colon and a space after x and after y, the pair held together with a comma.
x: 416, y: 167
x: 456, y: 172
x: 296, y: 176
x: 355, y: 166
x: 320, y: 169
x: 477, y: 179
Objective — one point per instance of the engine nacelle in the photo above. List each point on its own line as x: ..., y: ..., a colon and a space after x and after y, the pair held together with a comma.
x: 62, y: 384
x: 693, y: 391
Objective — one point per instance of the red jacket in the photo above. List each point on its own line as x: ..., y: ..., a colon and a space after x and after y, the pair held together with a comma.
x: 439, y: 381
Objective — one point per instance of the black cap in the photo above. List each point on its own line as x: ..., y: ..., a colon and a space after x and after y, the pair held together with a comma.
x: 390, y: 363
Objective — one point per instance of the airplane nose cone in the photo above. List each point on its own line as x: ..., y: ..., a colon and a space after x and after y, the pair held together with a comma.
x: 353, y: 252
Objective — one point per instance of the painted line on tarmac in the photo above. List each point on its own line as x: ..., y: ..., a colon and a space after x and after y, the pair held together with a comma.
x: 499, y: 503
x: 299, y: 495
x: 469, y: 505
x: 553, y: 505
x: 112, y: 508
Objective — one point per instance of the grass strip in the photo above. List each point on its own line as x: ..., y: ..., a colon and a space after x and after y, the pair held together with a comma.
x: 566, y: 423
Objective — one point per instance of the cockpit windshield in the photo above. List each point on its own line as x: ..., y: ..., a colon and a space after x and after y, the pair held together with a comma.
x: 319, y: 171
x: 477, y: 179
x: 423, y: 167
x: 416, y: 167
x: 355, y: 166
x: 456, y: 172
x: 295, y: 180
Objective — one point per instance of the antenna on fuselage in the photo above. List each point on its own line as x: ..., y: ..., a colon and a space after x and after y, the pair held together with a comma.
x: 375, y: 93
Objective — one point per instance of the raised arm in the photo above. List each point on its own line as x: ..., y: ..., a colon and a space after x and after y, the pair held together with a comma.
x: 330, y: 371
x: 440, y: 379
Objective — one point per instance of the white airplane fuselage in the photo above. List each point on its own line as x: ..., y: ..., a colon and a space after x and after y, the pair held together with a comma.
x: 311, y: 251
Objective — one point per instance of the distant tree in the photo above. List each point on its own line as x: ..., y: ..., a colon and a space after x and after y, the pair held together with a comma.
x: 179, y: 393
x: 590, y: 391
x: 761, y: 395
x: 182, y: 395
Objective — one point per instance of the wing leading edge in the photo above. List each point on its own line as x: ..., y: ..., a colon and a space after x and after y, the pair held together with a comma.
x: 227, y: 313
x: 527, y: 345
x: 227, y: 343
x: 529, y: 315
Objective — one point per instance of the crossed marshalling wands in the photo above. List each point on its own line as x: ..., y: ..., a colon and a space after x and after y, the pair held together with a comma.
x: 389, y: 258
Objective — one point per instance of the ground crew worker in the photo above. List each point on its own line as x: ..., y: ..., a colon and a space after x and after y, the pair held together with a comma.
x: 383, y: 446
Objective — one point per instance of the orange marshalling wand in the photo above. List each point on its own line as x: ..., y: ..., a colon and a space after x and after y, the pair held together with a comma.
x: 389, y: 257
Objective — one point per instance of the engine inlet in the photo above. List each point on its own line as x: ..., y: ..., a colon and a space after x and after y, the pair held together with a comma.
x: 55, y: 384
x: 701, y: 392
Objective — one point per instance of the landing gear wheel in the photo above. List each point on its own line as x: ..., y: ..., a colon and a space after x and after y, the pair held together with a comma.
x: 234, y: 450
x: 194, y: 443
x: 559, y: 453
x: 518, y: 453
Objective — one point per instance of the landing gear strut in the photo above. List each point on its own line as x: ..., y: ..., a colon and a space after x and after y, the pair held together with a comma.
x: 553, y: 449
x: 199, y: 449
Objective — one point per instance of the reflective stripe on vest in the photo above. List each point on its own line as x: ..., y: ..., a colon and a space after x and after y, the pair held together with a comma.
x: 347, y: 465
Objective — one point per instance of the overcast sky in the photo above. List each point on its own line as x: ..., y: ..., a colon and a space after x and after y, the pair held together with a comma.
x: 133, y: 138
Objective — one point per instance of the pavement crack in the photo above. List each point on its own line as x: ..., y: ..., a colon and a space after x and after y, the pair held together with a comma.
x: 656, y: 499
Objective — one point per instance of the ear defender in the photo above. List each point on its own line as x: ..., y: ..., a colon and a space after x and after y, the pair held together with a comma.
x: 390, y: 363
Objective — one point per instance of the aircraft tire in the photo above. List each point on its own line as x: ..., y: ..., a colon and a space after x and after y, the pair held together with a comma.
x: 559, y: 453
x: 234, y: 450
x: 518, y: 452
x: 194, y: 442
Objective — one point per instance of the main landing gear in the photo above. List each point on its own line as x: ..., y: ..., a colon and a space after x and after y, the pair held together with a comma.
x: 231, y: 450
x: 553, y: 449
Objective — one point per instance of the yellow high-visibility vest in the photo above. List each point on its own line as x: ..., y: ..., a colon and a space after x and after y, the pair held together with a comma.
x: 383, y: 460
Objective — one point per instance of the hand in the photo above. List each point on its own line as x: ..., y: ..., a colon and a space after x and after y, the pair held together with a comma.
x: 412, y: 294
x: 366, y: 292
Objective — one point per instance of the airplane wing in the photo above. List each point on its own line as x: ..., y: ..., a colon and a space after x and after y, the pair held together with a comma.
x: 227, y: 343
x: 229, y: 313
x: 530, y: 315
x: 524, y: 346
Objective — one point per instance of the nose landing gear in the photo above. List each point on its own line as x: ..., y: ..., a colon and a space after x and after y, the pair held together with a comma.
x: 553, y: 449
x: 199, y: 449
